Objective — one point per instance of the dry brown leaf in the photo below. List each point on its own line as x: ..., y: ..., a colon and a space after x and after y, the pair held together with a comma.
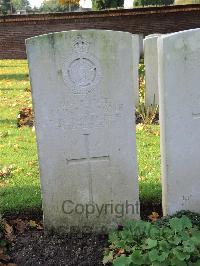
x: 8, y: 232
x: 32, y: 224
x: 4, y: 257
x: 120, y: 251
x: 39, y: 227
x: 139, y: 127
x: 154, y: 216
x: 8, y: 228
x: 20, y: 225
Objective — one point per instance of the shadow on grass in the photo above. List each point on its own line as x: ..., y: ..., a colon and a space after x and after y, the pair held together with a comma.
x: 20, y: 199
x: 4, y: 122
x: 18, y: 77
x: 11, y: 66
x: 12, y: 89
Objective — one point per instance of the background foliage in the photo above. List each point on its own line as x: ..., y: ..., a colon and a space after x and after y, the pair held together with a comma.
x: 153, y: 2
x: 104, y: 4
x: 59, y: 6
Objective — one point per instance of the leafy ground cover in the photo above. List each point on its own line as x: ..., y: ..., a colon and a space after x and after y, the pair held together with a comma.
x: 174, y: 243
x: 19, y: 174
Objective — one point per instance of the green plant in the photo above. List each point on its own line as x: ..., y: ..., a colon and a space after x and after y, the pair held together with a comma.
x: 141, y: 75
x: 194, y: 217
x: 105, y: 4
x: 144, y: 243
x: 153, y: 2
x: 147, y: 114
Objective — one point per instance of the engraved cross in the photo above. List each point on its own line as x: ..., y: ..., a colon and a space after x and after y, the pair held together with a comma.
x: 196, y: 115
x: 88, y: 159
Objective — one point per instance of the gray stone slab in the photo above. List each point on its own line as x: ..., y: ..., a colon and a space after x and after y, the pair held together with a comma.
x: 179, y: 76
x: 151, y: 69
x: 83, y: 94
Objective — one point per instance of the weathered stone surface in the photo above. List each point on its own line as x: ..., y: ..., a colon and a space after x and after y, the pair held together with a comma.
x: 83, y: 95
x: 179, y: 68
x: 151, y: 69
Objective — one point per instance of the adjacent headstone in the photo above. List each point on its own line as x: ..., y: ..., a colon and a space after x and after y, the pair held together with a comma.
x: 179, y: 68
x: 128, y: 4
x: 83, y: 95
x: 85, y: 4
x: 151, y: 69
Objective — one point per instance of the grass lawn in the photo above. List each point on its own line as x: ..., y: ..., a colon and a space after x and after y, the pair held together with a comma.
x: 19, y: 185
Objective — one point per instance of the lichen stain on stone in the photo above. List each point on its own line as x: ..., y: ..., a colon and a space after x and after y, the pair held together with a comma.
x: 59, y: 72
x: 51, y: 39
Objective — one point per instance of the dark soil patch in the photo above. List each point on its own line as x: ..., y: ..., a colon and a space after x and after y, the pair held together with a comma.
x: 33, y: 248
x: 146, y: 208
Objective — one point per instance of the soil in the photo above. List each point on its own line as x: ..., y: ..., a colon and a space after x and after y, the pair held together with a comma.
x: 33, y: 248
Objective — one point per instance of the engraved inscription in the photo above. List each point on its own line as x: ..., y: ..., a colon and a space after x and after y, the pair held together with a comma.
x: 93, y: 113
x: 80, y: 45
x: 81, y: 72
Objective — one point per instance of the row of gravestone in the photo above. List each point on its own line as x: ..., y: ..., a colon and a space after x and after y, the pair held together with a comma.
x: 84, y: 86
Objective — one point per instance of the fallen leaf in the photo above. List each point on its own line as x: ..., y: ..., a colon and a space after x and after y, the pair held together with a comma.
x: 120, y: 251
x: 32, y: 224
x: 39, y: 227
x: 4, y: 257
x: 8, y: 232
x: 20, y: 225
x: 8, y: 228
x: 139, y: 127
x: 154, y: 216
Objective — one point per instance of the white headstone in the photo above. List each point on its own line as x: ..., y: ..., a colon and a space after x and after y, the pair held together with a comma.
x: 128, y: 4
x: 83, y: 95
x: 179, y: 68
x: 151, y: 69
x: 85, y: 4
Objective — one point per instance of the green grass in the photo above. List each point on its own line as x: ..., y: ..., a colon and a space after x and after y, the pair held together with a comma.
x: 20, y: 191
x: 148, y: 149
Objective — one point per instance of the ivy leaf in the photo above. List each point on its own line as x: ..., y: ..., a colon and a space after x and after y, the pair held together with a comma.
x: 113, y: 237
x: 153, y: 255
x: 137, y: 257
x: 175, y: 240
x: 188, y: 246
x: 108, y: 258
x: 186, y: 223
x: 196, y: 237
x: 164, y: 246
x: 151, y: 243
x: 180, y: 224
x: 121, y: 244
x: 175, y: 224
x: 154, y: 232
x: 122, y: 261
x: 181, y: 255
x: 177, y: 262
x: 197, y: 263
x: 162, y: 257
